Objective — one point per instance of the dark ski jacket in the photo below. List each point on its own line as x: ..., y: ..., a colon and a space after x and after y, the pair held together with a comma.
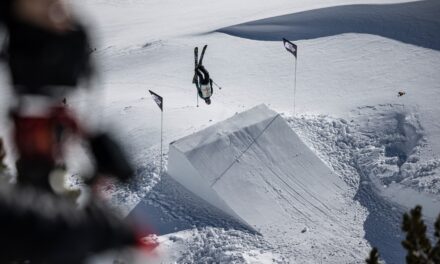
x: 42, y: 228
x: 203, y: 79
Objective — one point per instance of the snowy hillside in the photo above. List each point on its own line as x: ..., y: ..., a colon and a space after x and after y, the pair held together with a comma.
x: 354, y: 57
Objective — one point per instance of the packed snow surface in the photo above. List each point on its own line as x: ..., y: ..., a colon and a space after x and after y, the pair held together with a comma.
x: 260, y: 171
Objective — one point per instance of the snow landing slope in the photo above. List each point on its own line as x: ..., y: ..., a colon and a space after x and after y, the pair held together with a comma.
x: 254, y: 167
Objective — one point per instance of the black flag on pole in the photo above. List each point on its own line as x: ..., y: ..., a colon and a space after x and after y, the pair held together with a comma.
x: 158, y: 99
x: 290, y: 47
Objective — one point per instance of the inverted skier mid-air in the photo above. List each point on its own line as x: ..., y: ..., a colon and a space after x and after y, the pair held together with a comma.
x: 201, y: 77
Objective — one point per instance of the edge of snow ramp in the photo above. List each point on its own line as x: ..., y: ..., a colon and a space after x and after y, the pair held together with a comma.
x: 255, y: 168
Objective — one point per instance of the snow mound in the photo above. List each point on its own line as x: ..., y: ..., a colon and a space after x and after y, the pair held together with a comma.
x: 395, y: 21
x: 255, y: 168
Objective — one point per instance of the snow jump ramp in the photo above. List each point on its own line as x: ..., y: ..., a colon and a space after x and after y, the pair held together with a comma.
x: 255, y: 168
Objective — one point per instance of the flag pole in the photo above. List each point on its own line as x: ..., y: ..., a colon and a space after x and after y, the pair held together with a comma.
x: 159, y: 101
x: 292, y: 48
x: 161, y: 140
x: 294, y: 88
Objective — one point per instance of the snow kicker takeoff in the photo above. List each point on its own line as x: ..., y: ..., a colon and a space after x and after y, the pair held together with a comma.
x: 201, y: 77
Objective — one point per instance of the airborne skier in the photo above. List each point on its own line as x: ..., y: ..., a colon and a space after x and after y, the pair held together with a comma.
x: 201, y: 77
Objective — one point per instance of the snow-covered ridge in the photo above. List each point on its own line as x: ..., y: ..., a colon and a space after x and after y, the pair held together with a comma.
x: 131, y: 22
x: 415, y: 23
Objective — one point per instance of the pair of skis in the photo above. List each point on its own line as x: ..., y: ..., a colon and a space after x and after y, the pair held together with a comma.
x: 198, y: 62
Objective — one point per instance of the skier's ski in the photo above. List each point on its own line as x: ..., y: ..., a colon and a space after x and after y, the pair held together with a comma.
x: 196, y: 59
x: 196, y: 56
x: 202, y: 55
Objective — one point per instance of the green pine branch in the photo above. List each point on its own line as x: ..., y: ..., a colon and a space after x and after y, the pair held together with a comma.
x: 417, y: 244
x: 435, y: 253
x: 374, y: 257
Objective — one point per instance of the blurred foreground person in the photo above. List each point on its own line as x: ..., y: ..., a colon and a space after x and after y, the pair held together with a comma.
x: 48, y: 54
x: 4, y: 172
x: 38, y: 227
x: 2, y: 156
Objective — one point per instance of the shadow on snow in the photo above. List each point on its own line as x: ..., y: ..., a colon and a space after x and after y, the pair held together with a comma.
x: 416, y: 23
x: 170, y: 208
